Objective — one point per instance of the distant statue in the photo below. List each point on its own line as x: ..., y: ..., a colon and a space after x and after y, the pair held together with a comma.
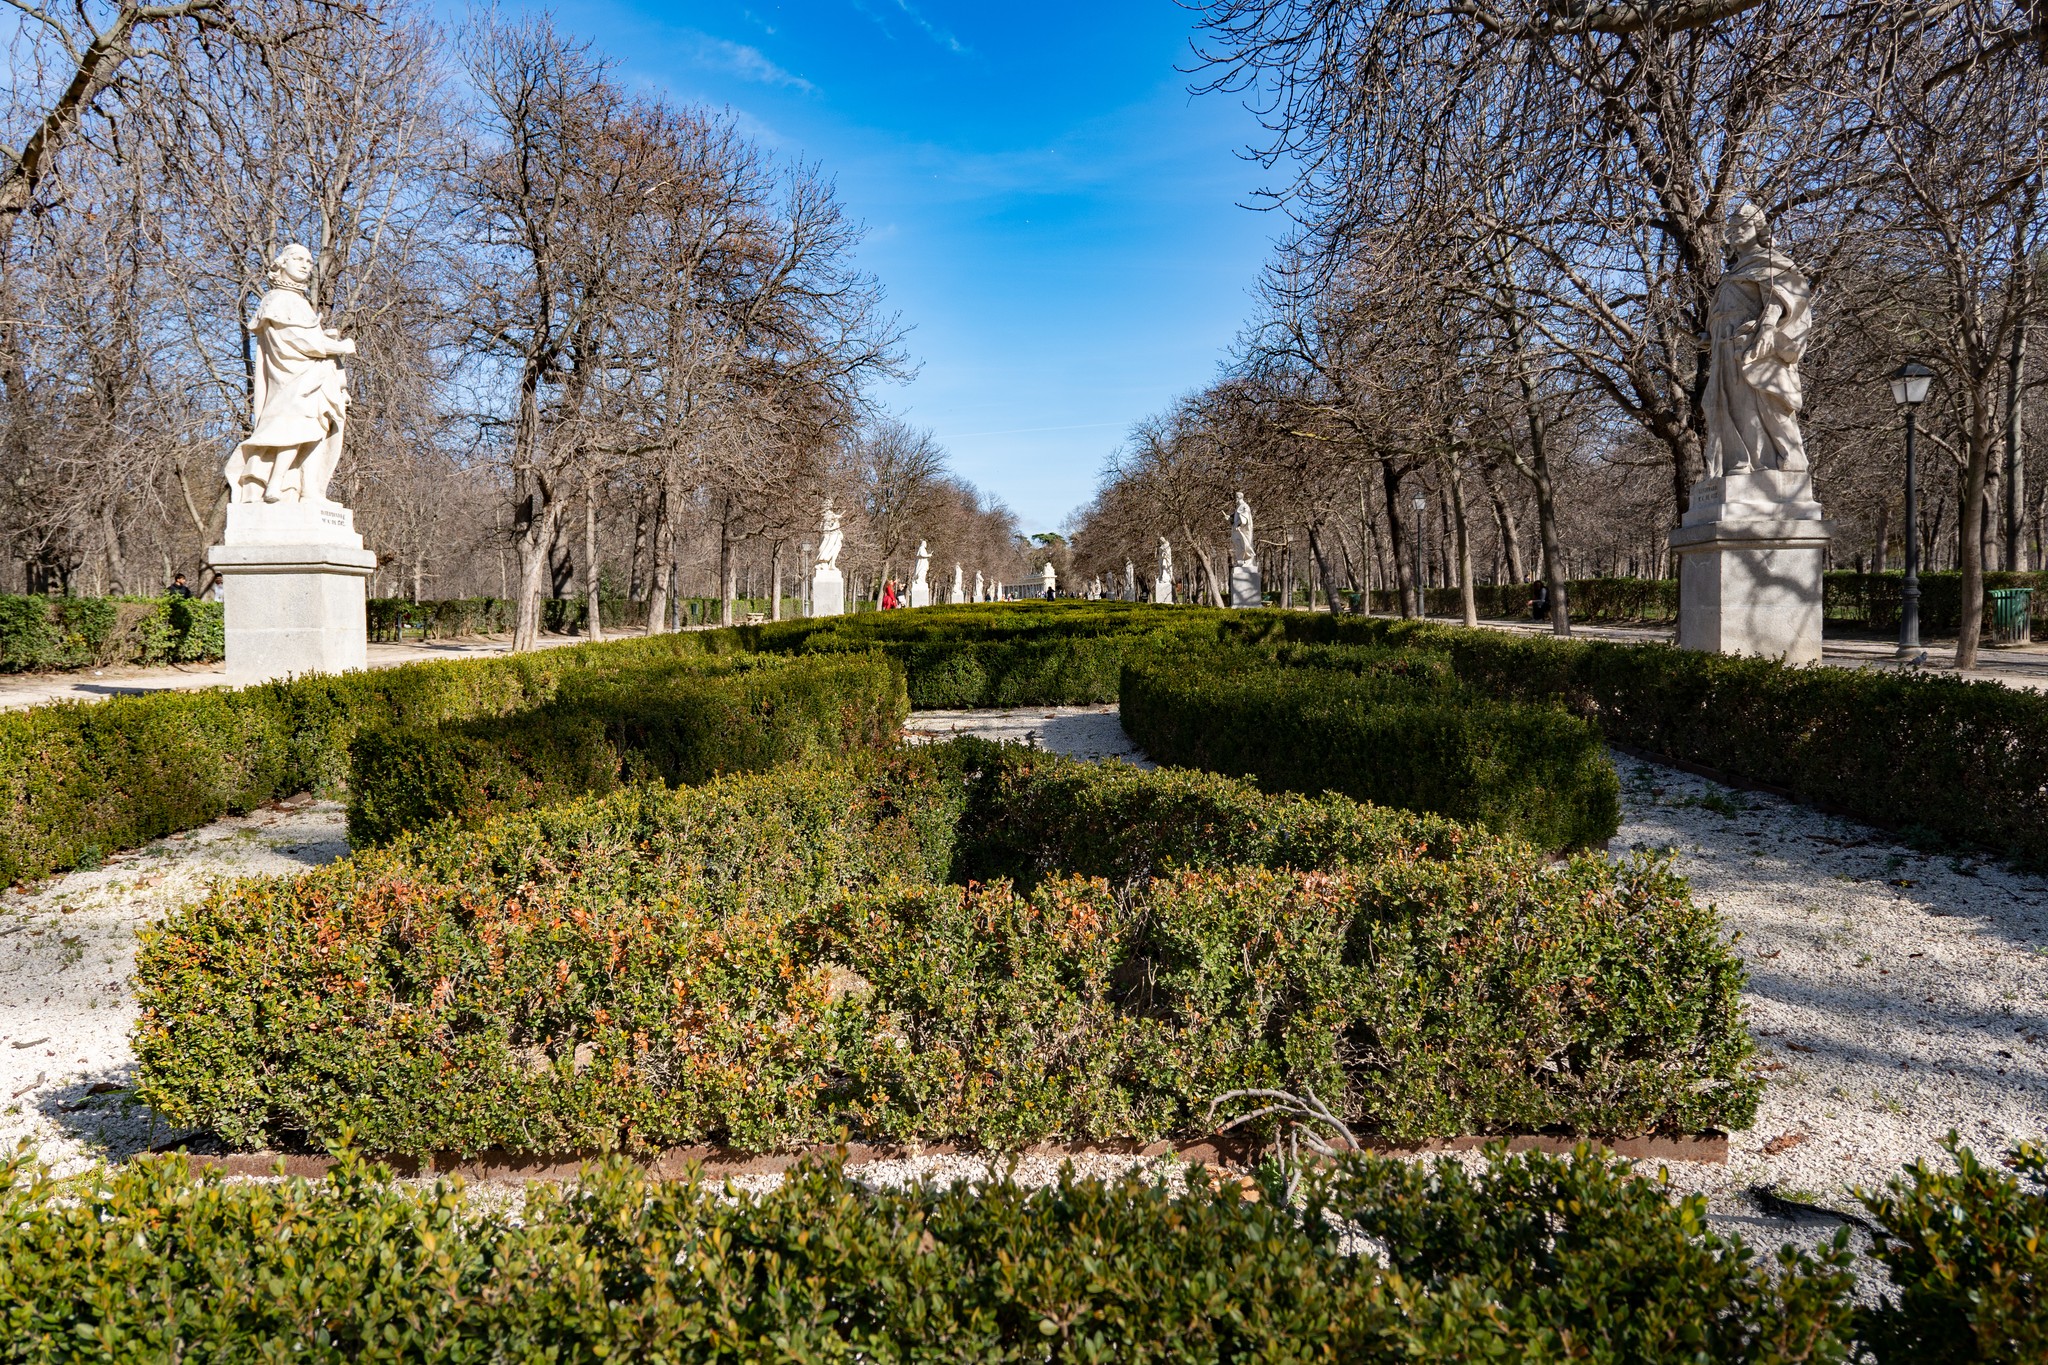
x: 921, y: 575
x: 830, y: 539
x: 1244, y: 550
x: 1130, y: 581
x: 1760, y: 322
x: 1046, y: 576
x: 978, y: 588
x: 301, y: 394
x: 959, y: 587
x: 1165, y: 561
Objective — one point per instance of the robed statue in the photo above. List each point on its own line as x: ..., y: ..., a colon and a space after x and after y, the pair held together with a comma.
x: 1244, y: 548
x: 830, y: 538
x: 301, y: 393
x: 1761, y: 319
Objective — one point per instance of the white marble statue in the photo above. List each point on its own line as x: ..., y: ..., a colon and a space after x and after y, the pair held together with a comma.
x: 921, y: 577
x: 979, y: 589
x: 1753, y: 543
x: 1130, y: 581
x: 831, y: 539
x: 301, y: 394
x: 828, y: 585
x: 1244, y: 549
x: 1761, y: 319
x: 959, y: 593
x: 1162, y: 586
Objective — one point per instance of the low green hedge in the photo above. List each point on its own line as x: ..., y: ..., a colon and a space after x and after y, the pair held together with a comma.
x: 81, y: 780
x: 677, y: 722
x: 1935, y: 757
x: 1525, y: 1260
x: 1532, y: 1260
x: 765, y: 959
x: 55, y: 633
x: 1967, y: 1252
x: 1378, y: 725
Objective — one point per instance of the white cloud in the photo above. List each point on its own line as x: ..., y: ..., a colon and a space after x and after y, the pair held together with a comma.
x: 931, y: 30
x: 943, y: 37
x: 747, y: 63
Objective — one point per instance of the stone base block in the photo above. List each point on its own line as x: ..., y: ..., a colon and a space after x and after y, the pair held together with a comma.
x: 1246, y: 588
x: 1753, y: 495
x: 1162, y: 590
x: 1752, y: 587
x: 828, y: 593
x: 291, y: 610
x: 920, y: 594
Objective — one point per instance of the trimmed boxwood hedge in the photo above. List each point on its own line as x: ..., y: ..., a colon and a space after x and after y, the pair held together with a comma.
x: 1935, y: 757
x: 1387, y: 726
x: 766, y: 959
x: 79, y: 780
x: 1958, y: 761
x: 677, y: 722
x: 38, y: 632
x: 1533, y: 1259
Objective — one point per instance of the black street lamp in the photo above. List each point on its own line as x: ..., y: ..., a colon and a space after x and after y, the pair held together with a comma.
x: 1909, y: 391
x: 1421, y: 529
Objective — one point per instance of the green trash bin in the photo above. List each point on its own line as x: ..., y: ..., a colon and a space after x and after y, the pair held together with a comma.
x: 2011, y: 616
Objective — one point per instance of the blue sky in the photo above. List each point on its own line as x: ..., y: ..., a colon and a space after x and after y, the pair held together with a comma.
x: 1048, y: 208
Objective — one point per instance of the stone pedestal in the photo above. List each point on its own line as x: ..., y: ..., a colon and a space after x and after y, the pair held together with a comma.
x: 293, y: 584
x: 1162, y: 590
x: 828, y: 593
x: 1750, y: 554
x: 1246, y: 588
x: 920, y: 594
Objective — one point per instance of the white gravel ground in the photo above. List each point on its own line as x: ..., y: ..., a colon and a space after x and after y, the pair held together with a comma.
x: 67, y: 948
x: 1896, y: 995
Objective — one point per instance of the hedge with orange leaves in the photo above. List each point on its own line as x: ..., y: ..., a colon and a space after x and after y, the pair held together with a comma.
x: 766, y: 960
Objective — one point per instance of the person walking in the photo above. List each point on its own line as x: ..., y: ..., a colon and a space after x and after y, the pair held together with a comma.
x: 889, y: 595
x: 178, y: 588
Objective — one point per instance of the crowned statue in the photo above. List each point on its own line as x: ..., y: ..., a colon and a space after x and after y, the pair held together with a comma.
x: 300, y: 394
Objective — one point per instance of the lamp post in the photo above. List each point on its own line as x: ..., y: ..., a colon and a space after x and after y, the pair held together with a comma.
x: 1909, y: 391
x: 1421, y: 505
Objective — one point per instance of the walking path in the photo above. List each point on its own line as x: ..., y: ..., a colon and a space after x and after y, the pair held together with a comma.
x: 18, y: 690
x: 2022, y: 666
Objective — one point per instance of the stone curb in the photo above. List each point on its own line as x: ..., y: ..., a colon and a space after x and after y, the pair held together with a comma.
x: 717, y: 1163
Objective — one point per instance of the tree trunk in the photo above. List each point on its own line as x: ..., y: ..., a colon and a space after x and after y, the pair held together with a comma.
x: 636, y: 560
x: 1510, y: 533
x: 1208, y: 568
x: 1970, y: 531
x: 1464, y: 531
x: 592, y: 627
x: 725, y: 565
x: 658, y: 580
x: 775, y: 583
x: 533, y: 546
x: 2016, y: 557
x: 1325, y: 570
x: 1406, y: 588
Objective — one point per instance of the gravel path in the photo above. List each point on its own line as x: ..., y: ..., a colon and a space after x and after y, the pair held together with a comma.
x: 67, y: 948
x: 18, y: 690
x: 1896, y: 994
